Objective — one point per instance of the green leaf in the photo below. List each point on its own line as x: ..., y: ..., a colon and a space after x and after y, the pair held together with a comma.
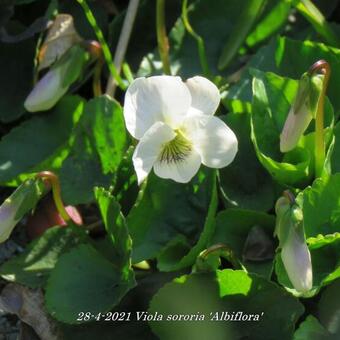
x: 172, y: 257
x: 246, y: 19
x: 269, y: 110
x: 311, y: 329
x: 335, y: 159
x: 33, y: 142
x: 270, y: 24
x: 229, y: 292
x: 15, y: 59
x: 33, y: 267
x: 321, y: 207
x: 99, y: 145
x: 233, y: 227
x: 322, y: 240
x: 167, y: 210
x: 244, y: 183
x: 117, y: 230
x: 83, y: 280
x: 213, y: 22
x: 290, y: 58
x: 329, y: 309
x: 325, y: 263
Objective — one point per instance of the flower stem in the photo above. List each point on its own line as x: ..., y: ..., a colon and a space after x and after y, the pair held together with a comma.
x: 199, y: 40
x: 123, y: 43
x: 162, y: 39
x: 322, y: 67
x: 56, y: 190
x: 96, y: 84
x: 106, y: 51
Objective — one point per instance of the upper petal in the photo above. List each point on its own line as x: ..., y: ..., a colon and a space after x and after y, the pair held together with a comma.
x: 212, y: 138
x: 153, y: 99
x: 205, y: 95
x: 149, y: 147
x: 180, y: 171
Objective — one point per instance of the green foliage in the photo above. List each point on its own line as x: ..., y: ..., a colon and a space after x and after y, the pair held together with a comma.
x: 138, y: 241
x: 311, y: 329
x: 224, y: 291
x: 242, y: 187
x: 153, y: 225
x: 26, y: 147
x: 33, y: 267
x: 233, y: 227
x: 83, y: 279
x: 14, y: 88
x: 96, y: 150
x: 321, y: 207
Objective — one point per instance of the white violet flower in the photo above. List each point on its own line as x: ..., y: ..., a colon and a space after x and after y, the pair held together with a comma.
x: 175, y: 126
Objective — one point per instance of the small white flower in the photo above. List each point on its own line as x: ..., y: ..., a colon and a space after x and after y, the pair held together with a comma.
x: 175, y: 126
x: 8, y: 219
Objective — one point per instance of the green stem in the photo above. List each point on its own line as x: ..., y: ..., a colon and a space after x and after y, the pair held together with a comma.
x: 123, y: 42
x: 56, y: 191
x: 162, y: 39
x: 319, y: 150
x: 200, y: 41
x: 106, y: 51
x: 240, y: 31
x: 318, y: 21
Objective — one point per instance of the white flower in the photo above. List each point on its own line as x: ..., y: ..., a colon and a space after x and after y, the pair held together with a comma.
x: 8, y: 219
x: 175, y: 126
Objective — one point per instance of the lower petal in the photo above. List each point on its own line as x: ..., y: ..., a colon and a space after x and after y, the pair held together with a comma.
x: 212, y: 139
x: 149, y: 148
x: 180, y: 171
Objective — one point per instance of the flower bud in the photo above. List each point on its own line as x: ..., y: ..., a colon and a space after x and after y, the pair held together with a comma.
x: 8, y: 217
x: 46, y: 92
x: 297, y: 261
x: 295, y: 253
x: 302, y: 111
x: 55, y: 83
x: 22, y: 200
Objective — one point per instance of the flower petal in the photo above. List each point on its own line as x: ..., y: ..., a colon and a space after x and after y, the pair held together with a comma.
x: 181, y: 171
x: 212, y: 138
x: 205, y: 95
x: 153, y: 99
x: 149, y: 147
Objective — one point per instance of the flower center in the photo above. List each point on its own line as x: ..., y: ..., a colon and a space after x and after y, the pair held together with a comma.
x: 176, y: 150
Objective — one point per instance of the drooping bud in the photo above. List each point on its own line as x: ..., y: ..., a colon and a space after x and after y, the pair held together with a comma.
x: 17, y: 205
x: 295, y: 254
x: 55, y: 83
x: 302, y: 111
